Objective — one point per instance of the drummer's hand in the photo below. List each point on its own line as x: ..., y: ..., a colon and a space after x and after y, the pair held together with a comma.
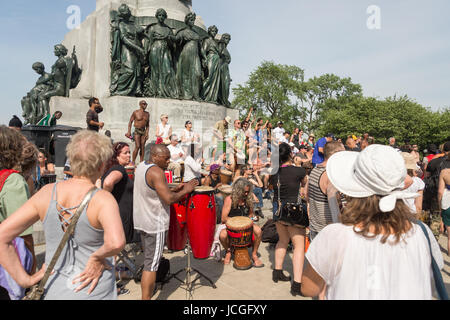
x: 219, y: 185
x: 190, y: 186
x: 178, y: 188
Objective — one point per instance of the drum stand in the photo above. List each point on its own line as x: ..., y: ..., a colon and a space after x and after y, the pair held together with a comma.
x: 189, y: 271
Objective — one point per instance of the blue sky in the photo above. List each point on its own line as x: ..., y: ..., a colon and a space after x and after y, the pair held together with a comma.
x: 410, y: 54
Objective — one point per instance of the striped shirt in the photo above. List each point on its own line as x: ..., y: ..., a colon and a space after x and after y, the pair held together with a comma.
x: 319, y: 211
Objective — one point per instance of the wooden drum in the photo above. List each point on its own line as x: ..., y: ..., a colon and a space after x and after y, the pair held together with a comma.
x: 226, y: 176
x: 240, y: 236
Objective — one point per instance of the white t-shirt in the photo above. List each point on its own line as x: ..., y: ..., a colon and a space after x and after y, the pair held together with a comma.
x: 175, y: 153
x: 357, y: 268
x: 416, y: 186
x: 278, y: 133
x: 191, y: 169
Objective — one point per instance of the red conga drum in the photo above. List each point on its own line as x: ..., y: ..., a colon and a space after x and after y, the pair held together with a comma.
x: 178, y: 233
x: 201, y: 221
x: 130, y: 171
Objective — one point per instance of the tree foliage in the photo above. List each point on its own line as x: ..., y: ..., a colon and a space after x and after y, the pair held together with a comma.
x: 329, y: 103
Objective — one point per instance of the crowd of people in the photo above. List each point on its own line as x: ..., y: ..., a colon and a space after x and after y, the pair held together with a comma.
x: 364, y: 203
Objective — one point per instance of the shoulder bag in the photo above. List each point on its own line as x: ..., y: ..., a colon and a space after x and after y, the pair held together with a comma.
x: 37, y: 291
x: 291, y: 213
x: 437, y: 275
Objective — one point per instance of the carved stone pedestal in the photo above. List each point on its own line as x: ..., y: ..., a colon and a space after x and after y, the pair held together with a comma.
x: 118, y: 110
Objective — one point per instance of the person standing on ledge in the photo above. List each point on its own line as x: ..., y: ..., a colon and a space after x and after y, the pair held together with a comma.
x: 92, y: 121
x: 141, y: 119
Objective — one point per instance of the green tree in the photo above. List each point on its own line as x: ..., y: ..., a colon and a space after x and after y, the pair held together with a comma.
x: 271, y: 91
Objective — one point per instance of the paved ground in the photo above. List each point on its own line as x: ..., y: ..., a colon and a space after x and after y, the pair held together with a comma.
x: 253, y: 284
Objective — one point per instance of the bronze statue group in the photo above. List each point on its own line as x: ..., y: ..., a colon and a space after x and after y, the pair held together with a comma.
x: 158, y: 61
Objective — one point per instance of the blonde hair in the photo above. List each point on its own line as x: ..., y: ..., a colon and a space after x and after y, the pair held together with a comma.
x: 238, y: 193
x: 87, y: 151
x: 163, y: 116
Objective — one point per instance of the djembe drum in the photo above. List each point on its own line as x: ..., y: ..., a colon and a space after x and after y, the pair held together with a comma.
x: 225, y: 176
x: 240, y: 236
x: 225, y: 190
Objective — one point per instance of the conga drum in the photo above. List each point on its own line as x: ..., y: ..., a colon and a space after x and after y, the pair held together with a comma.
x: 178, y: 235
x: 225, y: 190
x: 226, y: 176
x: 130, y: 171
x: 201, y: 221
x: 240, y: 236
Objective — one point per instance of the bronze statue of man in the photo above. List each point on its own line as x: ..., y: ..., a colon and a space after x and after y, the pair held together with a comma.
x: 141, y: 119
x: 34, y: 104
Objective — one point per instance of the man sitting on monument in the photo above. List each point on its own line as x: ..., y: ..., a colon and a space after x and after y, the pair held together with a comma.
x: 92, y: 121
x: 141, y: 119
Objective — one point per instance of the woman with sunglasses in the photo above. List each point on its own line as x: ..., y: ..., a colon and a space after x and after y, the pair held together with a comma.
x: 164, y: 130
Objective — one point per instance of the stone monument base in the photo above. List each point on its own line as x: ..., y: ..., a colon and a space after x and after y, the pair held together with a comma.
x: 118, y: 110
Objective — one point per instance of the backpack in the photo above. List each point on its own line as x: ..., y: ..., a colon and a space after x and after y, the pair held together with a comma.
x: 163, y: 270
x: 431, y: 187
x: 269, y: 232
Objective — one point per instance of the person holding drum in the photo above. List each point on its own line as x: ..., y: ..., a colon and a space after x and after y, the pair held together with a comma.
x: 214, y: 181
x: 251, y: 175
x: 240, y: 204
x: 151, y: 206
x: 291, y: 179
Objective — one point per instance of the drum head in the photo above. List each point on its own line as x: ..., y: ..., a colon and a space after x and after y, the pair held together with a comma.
x: 226, y: 189
x: 226, y: 172
x: 204, y: 189
x: 239, y: 223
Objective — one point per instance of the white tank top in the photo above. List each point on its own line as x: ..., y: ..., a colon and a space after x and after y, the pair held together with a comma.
x: 151, y: 215
x: 164, y: 130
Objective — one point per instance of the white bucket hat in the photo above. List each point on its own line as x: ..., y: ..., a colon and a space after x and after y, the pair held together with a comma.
x: 377, y: 170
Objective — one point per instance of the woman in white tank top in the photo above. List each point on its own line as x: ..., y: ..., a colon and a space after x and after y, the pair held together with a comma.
x: 164, y: 129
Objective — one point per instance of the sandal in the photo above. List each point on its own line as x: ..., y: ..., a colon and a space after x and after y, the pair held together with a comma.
x: 122, y: 291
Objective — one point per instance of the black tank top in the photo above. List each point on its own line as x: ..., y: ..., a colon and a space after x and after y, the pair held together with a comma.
x: 240, y: 211
x: 214, y: 183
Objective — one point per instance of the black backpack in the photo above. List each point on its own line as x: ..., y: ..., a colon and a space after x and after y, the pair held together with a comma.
x: 163, y: 270
x: 432, y: 185
x: 269, y: 232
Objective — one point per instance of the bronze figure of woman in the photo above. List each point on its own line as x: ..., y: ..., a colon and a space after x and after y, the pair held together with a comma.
x: 161, y: 39
x: 189, y: 67
x: 128, y: 55
x: 211, y: 85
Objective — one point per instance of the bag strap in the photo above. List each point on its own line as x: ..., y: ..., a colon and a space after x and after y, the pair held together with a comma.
x: 439, y: 282
x: 69, y: 232
x: 279, y: 194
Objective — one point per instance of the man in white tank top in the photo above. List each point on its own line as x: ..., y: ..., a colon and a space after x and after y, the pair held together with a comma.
x: 152, y: 200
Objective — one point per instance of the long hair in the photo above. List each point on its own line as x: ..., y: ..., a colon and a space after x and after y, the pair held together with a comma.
x: 364, y: 213
x: 11, y: 144
x: 238, y: 193
x: 117, y: 150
